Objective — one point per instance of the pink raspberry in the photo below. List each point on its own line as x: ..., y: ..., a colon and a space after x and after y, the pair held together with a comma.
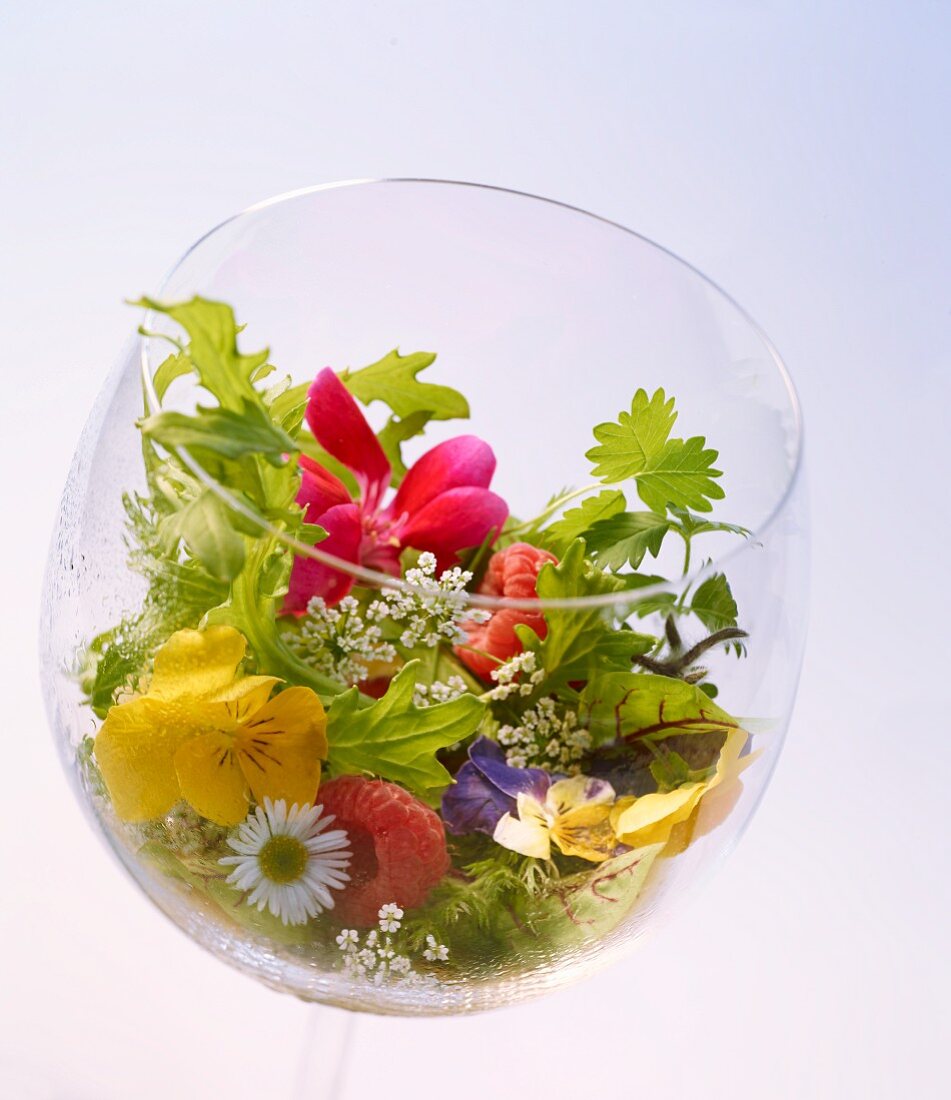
x: 512, y: 572
x: 398, y: 845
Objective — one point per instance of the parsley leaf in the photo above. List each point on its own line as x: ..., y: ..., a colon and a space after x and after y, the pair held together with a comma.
x: 576, y: 522
x: 625, y: 538
x: 396, y: 740
x: 579, y: 639
x: 681, y: 474
x: 713, y: 603
x: 667, y: 471
x: 690, y: 525
x: 638, y: 435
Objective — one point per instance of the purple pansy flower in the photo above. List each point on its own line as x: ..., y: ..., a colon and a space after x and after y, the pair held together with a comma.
x: 486, y: 789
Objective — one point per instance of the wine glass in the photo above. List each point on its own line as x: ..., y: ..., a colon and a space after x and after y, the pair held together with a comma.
x: 547, y: 321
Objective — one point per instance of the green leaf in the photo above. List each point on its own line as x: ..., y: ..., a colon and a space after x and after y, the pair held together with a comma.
x: 394, y: 433
x: 576, y: 522
x: 394, y: 739
x: 585, y: 907
x: 618, y: 705
x: 165, y: 374
x: 213, y: 348
x: 309, y: 446
x: 691, y: 525
x: 681, y: 474
x: 670, y: 770
x: 262, y: 924
x: 227, y: 432
x: 636, y: 437
x: 713, y: 603
x: 668, y: 471
x: 625, y: 538
x: 578, y: 641
x: 393, y: 381
x: 205, y: 528
x: 642, y: 606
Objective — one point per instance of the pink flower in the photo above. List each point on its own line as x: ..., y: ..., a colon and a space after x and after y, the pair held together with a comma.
x: 512, y: 572
x: 443, y: 504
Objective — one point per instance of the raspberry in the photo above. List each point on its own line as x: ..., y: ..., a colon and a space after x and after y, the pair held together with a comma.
x: 398, y: 845
x: 512, y: 572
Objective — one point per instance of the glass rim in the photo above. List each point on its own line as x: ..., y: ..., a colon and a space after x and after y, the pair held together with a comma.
x: 375, y: 579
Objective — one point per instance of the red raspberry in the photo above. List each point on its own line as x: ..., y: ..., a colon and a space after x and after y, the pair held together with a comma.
x: 512, y: 572
x: 398, y: 845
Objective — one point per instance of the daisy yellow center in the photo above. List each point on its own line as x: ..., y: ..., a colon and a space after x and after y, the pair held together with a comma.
x: 283, y: 859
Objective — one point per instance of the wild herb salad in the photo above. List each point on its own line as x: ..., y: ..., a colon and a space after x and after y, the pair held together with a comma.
x: 391, y: 777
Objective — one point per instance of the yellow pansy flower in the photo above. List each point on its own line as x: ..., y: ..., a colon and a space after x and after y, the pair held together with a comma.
x: 201, y: 735
x: 652, y: 818
x: 574, y: 813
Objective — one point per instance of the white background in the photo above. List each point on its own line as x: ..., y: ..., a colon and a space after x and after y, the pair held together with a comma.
x: 797, y: 153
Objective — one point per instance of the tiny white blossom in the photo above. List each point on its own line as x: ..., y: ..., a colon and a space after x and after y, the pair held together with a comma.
x: 379, y: 957
x: 390, y: 916
x: 435, y: 952
x: 545, y: 737
x: 426, y: 695
x: 507, y: 676
x: 341, y: 642
x: 433, y: 609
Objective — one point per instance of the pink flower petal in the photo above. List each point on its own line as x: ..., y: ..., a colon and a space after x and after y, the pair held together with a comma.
x: 341, y: 429
x: 463, y: 460
x: 319, y: 490
x: 310, y: 577
x: 455, y: 520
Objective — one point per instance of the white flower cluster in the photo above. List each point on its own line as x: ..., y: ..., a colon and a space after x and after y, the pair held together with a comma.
x: 434, y: 611
x: 426, y: 695
x: 506, y: 676
x: 545, y: 739
x: 376, y: 959
x: 340, y: 641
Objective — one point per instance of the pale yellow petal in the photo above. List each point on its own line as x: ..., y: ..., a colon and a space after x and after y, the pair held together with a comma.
x: 135, y: 750
x: 718, y: 800
x: 197, y: 663
x: 211, y: 779
x: 713, y: 809
x: 649, y: 819
x: 528, y: 838
x: 580, y: 790
x: 586, y: 832
x: 281, y: 745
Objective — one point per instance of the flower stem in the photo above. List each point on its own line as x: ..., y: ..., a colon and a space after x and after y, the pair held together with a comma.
x: 556, y: 505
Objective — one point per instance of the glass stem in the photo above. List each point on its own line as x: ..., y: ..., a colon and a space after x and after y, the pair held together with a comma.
x: 325, y: 1054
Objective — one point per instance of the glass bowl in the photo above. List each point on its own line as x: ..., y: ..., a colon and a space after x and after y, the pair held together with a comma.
x: 474, y: 742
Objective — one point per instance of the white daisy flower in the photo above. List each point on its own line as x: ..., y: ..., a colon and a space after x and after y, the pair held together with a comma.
x: 287, y: 862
